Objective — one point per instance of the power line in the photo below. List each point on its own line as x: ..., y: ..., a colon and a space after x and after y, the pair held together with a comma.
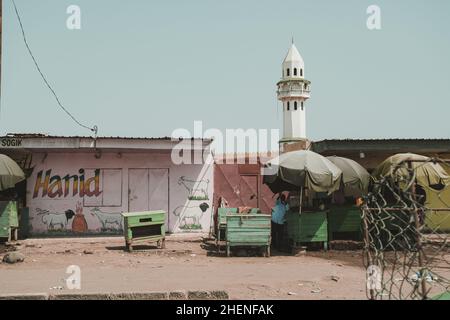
x: 94, y: 128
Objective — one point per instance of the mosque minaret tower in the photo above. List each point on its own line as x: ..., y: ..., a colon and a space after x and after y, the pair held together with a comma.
x: 293, y: 92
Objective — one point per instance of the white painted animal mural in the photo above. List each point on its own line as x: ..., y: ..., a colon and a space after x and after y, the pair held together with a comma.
x: 107, y: 219
x: 190, y: 216
x: 197, y: 189
x: 54, y: 220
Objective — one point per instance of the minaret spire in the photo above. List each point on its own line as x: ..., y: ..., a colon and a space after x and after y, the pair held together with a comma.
x: 293, y: 92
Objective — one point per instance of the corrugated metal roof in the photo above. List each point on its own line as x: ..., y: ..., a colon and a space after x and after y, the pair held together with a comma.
x: 379, y: 145
x: 381, y: 140
x: 43, y: 135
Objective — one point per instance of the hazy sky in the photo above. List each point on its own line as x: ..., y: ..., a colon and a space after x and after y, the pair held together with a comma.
x: 144, y: 68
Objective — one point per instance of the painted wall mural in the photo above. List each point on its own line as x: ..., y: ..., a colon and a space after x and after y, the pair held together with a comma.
x: 197, y: 189
x: 77, y: 194
x: 55, y: 220
x: 57, y: 186
x: 189, y: 216
x: 109, y: 221
x: 79, y: 223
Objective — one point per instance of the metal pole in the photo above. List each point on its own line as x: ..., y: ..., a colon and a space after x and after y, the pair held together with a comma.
x: 418, y: 240
x: 367, y: 248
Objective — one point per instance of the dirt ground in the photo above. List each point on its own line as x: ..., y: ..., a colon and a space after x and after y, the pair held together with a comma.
x: 187, y: 263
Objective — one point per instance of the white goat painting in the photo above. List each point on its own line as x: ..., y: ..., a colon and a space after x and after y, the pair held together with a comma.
x: 197, y: 189
x: 54, y: 220
x: 113, y: 220
x: 189, y: 216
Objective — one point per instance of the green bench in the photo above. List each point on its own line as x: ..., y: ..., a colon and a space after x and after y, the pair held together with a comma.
x: 147, y: 226
x: 248, y: 230
x: 9, y: 220
x: 307, y: 227
x: 346, y: 221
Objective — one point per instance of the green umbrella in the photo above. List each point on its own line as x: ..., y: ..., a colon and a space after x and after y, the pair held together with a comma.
x: 10, y: 173
x: 297, y: 169
x: 354, y: 175
x: 427, y: 173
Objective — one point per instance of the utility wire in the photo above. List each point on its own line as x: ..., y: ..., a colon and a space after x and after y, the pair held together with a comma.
x: 94, y: 128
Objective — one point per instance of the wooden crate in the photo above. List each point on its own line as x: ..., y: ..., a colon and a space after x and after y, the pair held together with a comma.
x: 248, y: 230
x: 9, y: 220
x: 346, y: 221
x: 307, y: 227
x: 147, y: 226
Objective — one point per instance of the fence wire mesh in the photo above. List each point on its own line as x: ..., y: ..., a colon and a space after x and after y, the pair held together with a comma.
x: 406, y: 227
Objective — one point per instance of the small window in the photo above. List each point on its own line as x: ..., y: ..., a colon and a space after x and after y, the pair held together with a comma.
x: 301, y: 72
x: 295, y: 71
x: 287, y: 72
x: 306, y: 86
x: 302, y: 105
x: 295, y: 105
x: 288, y: 106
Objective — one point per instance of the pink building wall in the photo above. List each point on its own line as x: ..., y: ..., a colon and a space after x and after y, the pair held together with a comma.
x: 76, y: 193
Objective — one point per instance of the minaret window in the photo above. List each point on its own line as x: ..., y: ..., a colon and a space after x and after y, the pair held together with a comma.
x: 301, y: 72
x: 302, y: 105
x: 295, y: 105
x: 288, y: 106
x: 287, y: 72
x: 295, y: 71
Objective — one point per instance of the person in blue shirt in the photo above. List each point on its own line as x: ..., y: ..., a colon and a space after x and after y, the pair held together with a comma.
x: 278, y: 219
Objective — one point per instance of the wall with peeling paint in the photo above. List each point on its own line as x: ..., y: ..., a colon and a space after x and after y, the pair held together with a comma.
x: 74, y: 193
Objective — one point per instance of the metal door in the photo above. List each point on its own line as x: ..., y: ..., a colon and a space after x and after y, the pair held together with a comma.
x: 148, y: 189
x: 138, y: 188
x: 158, y: 194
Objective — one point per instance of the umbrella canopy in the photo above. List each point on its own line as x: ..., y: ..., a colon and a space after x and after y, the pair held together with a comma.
x: 353, y: 174
x: 427, y: 173
x: 303, y: 168
x: 10, y: 173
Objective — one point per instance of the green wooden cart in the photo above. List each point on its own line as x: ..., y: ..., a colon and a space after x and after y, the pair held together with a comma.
x: 147, y: 226
x: 344, y: 223
x: 248, y: 230
x: 222, y: 222
x: 307, y: 227
x: 9, y: 221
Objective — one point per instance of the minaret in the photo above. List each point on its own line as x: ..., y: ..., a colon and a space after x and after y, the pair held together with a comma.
x: 293, y: 91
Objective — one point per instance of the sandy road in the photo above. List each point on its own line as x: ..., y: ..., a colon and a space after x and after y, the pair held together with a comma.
x: 185, y: 264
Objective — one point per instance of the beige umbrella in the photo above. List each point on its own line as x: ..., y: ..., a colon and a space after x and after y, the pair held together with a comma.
x: 10, y: 173
x: 302, y: 169
x: 399, y: 167
x: 354, y: 175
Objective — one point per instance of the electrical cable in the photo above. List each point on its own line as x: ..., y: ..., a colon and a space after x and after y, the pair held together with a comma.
x: 94, y: 128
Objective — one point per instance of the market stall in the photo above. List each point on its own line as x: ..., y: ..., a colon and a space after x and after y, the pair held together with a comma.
x: 305, y: 175
x: 10, y: 175
x: 344, y: 218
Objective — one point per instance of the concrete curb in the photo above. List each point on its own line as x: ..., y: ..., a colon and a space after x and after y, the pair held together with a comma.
x: 171, y: 295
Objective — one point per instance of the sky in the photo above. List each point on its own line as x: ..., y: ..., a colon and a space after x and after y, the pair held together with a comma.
x: 144, y: 68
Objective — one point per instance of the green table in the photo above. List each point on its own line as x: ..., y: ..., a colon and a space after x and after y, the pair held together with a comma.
x: 9, y: 220
x: 147, y: 226
x: 248, y: 230
x: 307, y: 227
x: 344, y: 220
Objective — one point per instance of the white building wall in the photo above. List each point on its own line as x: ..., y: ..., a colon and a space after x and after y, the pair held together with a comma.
x: 189, y: 192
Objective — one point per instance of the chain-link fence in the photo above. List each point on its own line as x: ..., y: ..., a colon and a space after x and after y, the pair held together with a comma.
x: 406, y: 225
